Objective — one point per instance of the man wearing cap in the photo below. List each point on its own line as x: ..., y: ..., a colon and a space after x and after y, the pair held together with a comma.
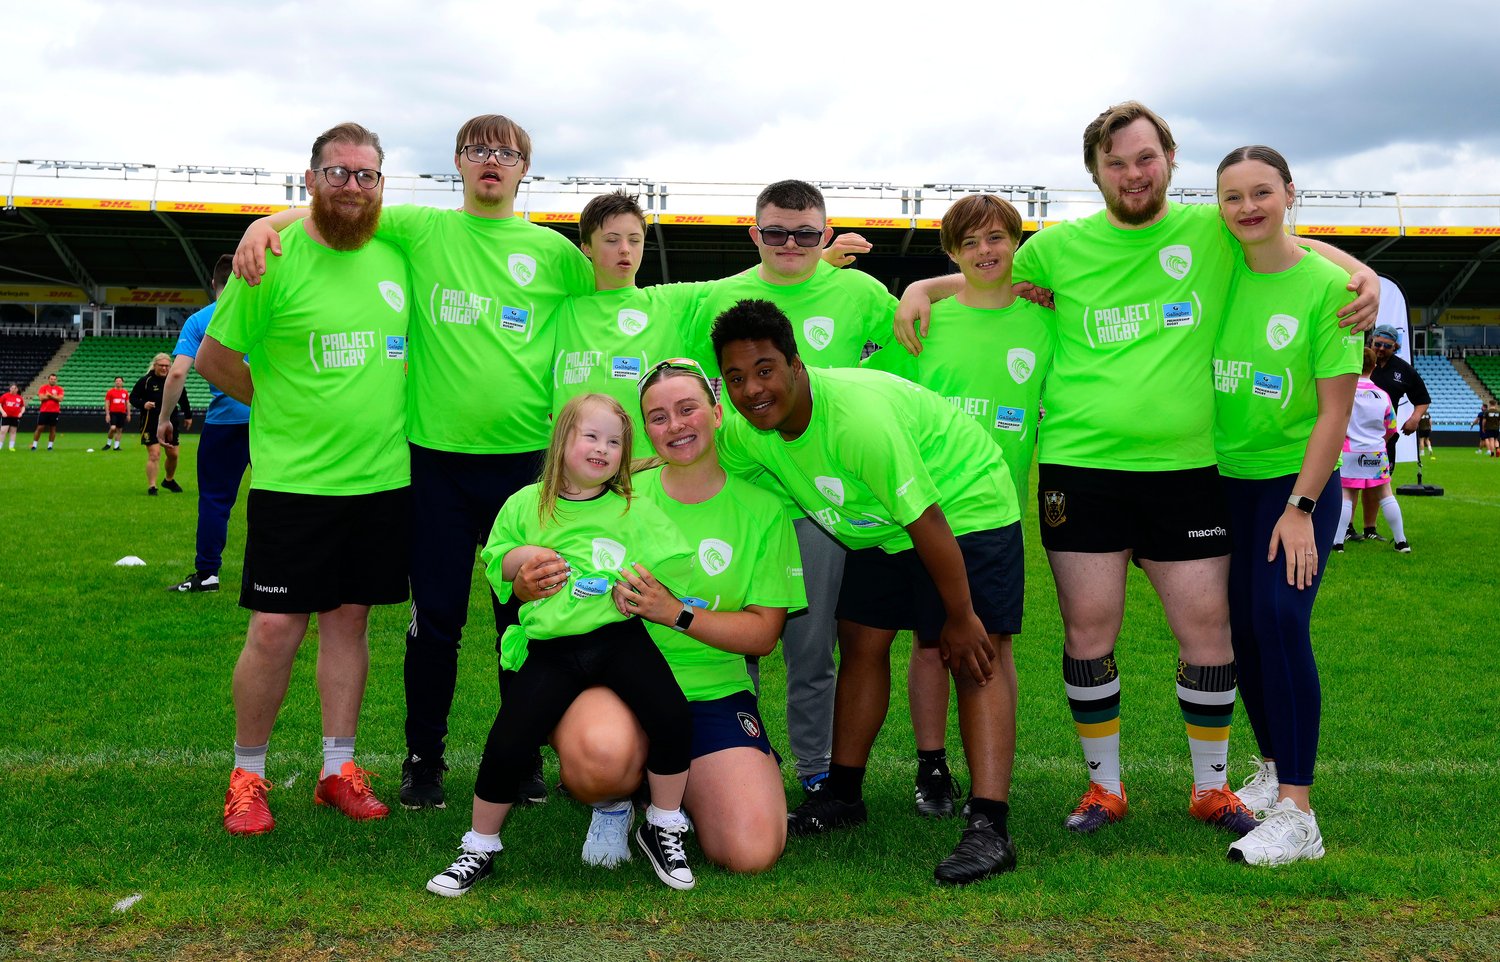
x: 1399, y: 379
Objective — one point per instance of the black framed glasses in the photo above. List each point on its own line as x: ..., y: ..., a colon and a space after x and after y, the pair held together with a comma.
x: 776, y: 236
x: 671, y: 364
x: 479, y: 153
x: 366, y: 177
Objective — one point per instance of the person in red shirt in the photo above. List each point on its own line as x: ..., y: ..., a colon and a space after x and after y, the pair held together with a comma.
x: 116, y: 413
x: 12, y: 406
x: 51, y: 395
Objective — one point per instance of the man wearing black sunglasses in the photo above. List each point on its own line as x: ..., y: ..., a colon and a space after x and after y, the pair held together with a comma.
x: 834, y: 315
x: 479, y: 402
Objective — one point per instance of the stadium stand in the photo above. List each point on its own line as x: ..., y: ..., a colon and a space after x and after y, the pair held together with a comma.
x: 23, y: 356
x: 93, y: 367
x: 1453, y: 401
x: 1486, y: 367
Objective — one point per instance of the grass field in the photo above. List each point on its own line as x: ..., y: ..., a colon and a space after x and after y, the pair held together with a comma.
x: 115, y: 742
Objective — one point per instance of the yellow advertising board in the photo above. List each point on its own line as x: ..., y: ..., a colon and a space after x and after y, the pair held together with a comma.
x: 154, y: 297
x: 40, y: 294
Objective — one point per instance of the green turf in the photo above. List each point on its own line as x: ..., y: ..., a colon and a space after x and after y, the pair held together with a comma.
x: 114, y: 754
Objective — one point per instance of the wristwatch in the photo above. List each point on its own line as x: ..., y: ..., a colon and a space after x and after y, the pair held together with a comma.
x: 684, y: 619
x: 1302, y: 504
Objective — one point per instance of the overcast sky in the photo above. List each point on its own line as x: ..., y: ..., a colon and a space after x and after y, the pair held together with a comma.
x: 1368, y: 95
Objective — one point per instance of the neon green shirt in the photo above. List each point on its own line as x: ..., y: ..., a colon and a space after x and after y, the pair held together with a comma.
x: 747, y: 555
x: 1137, y: 314
x: 596, y: 537
x: 990, y: 364
x: 834, y: 313
x: 324, y: 333
x: 484, y: 294
x: 1280, y: 335
x: 607, y: 339
x: 877, y: 453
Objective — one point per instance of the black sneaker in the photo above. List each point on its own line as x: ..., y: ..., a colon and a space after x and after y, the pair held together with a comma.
x: 813, y: 784
x: 422, y: 782
x: 1372, y: 535
x: 459, y: 877
x: 151, y: 490
x: 1351, y: 535
x: 936, y: 791
x: 198, y: 581
x: 172, y: 486
x: 821, y: 813
x: 664, y: 850
x: 534, y: 789
x: 1402, y: 547
x: 1338, y: 548
x: 982, y: 852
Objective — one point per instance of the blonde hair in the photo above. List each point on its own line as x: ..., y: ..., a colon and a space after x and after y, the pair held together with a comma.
x: 163, y: 356
x: 563, y: 429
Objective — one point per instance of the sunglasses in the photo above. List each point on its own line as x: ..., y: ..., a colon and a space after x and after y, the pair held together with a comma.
x: 671, y: 364
x: 776, y: 236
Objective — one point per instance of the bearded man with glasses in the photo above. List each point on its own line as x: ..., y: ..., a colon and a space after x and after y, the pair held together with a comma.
x: 327, y: 519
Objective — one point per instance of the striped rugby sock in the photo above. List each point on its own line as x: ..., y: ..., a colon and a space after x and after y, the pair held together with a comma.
x: 1205, y: 693
x: 1093, y: 688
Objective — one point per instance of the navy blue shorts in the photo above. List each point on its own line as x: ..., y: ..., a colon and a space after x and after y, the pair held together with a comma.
x: 894, y: 591
x: 729, y: 722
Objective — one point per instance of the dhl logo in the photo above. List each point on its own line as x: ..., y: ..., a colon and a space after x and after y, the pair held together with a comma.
x: 256, y: 209
x: 1381, y: 231
x: 1487, y: 232
x: 690, y: 219
x: 47, y: 202
x: 553, y: 217
x: 190, y: 208
x: 880, y: 222
x: 117, y: 204
x: 157, y: 297
x: 1316, y: 229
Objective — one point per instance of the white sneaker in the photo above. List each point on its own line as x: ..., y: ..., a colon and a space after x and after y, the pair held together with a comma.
x: 608, y: 840
x: 1287, y: 835
x: 1261, y: 789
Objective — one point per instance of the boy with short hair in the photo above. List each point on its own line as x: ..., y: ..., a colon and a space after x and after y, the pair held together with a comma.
x: 925, y: 503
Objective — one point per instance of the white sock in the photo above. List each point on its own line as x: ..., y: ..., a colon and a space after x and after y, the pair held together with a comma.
x: 662, y: 818
x: 612, y: 806
x: 1392, y: 512
x: 252, y: 758
x: 1346, y: 513
x: 479, y: 842
x: 336, y: 751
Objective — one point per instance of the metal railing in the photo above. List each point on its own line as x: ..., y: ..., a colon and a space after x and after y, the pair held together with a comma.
x: 206, y: 184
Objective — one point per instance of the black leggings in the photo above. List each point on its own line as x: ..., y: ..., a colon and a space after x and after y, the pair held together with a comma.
x: 620, y: 656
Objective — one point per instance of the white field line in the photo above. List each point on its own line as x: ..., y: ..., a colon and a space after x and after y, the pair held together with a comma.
x: 124, y: 904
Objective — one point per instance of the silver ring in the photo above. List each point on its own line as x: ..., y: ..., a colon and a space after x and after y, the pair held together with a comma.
x: 1311, y: 552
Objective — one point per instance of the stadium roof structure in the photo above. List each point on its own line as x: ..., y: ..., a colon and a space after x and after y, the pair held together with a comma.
x: 116, y: 233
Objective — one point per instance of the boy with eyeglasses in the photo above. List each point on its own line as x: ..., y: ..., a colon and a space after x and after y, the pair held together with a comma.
x: 834, y: 313
x: 486, y: 285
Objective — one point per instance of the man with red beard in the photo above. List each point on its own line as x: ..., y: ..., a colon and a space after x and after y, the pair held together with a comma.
x: 318, y: 351
x: 1127, y: 464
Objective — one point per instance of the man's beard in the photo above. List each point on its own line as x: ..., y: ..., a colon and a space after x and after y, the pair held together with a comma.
x: 1135, y: 217
x: 341, y: 230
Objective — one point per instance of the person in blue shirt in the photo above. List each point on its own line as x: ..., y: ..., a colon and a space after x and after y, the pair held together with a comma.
x: 223, y: 452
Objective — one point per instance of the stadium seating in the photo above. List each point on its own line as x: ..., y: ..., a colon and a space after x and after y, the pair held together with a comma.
x: 1454, y: 403
x: 22, y: 357
x: 93, y: 367
x: 1487, y: 368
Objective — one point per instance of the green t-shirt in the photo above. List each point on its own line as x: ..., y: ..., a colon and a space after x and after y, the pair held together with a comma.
x: 485, y: 292
x: 878, y: 452
x: 747, y: 555
x: 991, y: 365
x: 607, y: 339
x: 834, y: 313
x: 324, y: 333
x: 597, y: 538
x: 1280, y: 335
x: 1137, y: 314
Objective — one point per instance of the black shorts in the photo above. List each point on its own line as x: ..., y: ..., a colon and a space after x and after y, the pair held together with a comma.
x: 117, y: 419
x: 314, y: 552
x: 895, y: 592
x: 14, y: 422
x: 47, y: 419
x: 1156, y: 515
x: 729, y: 722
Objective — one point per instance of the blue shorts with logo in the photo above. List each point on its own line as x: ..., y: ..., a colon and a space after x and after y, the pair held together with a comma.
x: 729, y: 722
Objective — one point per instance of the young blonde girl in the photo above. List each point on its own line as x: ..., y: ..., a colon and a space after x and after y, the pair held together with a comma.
x: 578, y: 637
